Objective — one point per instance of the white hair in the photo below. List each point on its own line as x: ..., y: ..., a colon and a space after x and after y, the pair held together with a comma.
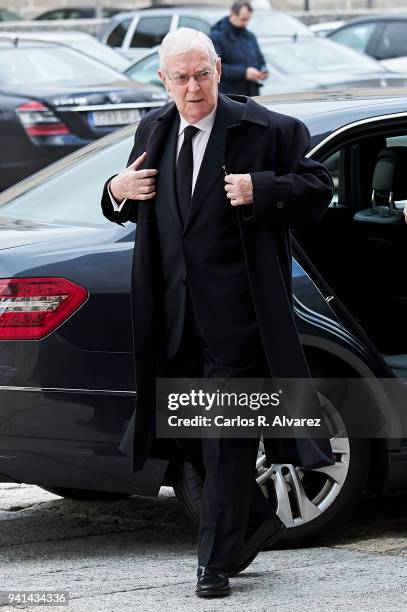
x: 183, y: 40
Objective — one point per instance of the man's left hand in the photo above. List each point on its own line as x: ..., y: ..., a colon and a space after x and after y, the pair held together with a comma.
x: 239, y: 189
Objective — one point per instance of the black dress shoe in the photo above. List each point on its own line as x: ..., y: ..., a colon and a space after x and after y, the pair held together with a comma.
x: 268, y: 533
x: 212, y: 582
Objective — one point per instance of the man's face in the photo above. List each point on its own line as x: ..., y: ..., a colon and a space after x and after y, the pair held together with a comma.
x: 241, y: 19
x: 194, y: 100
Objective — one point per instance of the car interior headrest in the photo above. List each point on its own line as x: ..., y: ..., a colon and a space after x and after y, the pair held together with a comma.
x: 390, y: 173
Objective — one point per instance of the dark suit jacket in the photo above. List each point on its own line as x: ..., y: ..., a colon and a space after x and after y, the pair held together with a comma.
x: 289, y: 191
x: 202, y: 261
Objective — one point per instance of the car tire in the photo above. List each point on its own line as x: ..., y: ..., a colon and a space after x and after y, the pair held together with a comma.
x: 85, y: 495
x: 334, y: 506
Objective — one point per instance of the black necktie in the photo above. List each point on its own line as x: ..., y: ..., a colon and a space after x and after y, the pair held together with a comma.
x: 183, y: 172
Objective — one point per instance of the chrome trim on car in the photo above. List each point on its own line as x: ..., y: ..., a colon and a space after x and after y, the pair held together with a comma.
x: 63, y: 390
x: 98, y: 107
x: 326, y: 324
x: 351, y: 126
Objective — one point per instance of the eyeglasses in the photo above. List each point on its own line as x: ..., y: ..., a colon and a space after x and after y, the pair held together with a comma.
x: 200, y: 77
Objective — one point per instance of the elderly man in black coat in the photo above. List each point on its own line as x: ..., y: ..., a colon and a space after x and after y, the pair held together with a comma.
x: 214, y: 184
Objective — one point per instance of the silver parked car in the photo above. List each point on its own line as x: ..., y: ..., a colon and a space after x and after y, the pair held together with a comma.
x: 301, y: 64
x: 135, y: 32
x: 380, y: 36
x: 316, y: 63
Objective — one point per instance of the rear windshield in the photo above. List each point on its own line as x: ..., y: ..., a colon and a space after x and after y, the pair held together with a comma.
x: 268, y: 23
x: 102, y: 53
x: 51, y: 65
x: 310, y: 56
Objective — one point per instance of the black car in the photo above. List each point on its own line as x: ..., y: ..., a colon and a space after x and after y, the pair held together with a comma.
x: 380, y: 36
x: 67, y: 384
x: 54, y: 99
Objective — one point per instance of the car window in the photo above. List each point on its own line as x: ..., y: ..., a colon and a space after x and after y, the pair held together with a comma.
x: 393, y: 42
x: 398, y: 141
x: 31, y: 66
x: 150, y: 31
x: 185, y: 21
x: 145, y: 71
x: 72, y: 195
x: 6, y: 15
x: 356, y: 36
x: 53, y: 15
x: 335, y: 163
x: 116, y: 36
x: 73, y: 14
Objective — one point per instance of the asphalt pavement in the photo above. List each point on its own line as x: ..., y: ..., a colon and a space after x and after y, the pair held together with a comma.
x: 139, y: 554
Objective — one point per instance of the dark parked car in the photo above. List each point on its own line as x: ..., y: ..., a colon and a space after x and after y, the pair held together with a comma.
x: 133, y: 33
x: 80, y: 12
x: 67, y: 384
x: 380, y: 36
x: 54, y: 100
x: 306, y: 63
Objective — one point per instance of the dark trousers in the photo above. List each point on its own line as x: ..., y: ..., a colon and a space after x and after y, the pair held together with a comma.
x: 232, y: 503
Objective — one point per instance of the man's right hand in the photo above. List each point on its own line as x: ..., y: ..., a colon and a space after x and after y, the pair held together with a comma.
x: 252, y: 74
x: 133, y: 183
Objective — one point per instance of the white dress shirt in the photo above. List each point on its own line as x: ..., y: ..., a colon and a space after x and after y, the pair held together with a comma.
x: 199, y: 142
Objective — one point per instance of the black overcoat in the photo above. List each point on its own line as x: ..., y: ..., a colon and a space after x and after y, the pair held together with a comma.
x: 289, y: 190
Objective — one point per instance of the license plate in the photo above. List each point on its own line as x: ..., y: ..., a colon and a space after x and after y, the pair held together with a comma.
x: 114, y: 117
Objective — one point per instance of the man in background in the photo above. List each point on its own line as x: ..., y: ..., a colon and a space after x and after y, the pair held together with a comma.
x: 243, y: 64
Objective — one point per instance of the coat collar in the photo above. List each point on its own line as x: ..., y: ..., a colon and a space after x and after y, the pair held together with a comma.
x: 231, y: 113
x: 255, y: 113
x: 252, y: 111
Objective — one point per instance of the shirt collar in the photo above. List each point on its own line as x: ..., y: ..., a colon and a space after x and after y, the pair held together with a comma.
x: 204, y: 124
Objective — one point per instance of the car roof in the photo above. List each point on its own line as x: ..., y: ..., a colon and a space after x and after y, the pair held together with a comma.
x: 180, y: 6
x: 85, y: 7
x: 328, y: 110
x: 374, y: 18
x: 199, y: 11
x: 179, y: 10
x: 337, y: 99
x: 51, y: 35
x: 25, y: 41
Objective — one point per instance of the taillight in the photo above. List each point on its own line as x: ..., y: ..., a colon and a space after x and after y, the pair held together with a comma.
x: 31, y: 308
x: 39, y: 120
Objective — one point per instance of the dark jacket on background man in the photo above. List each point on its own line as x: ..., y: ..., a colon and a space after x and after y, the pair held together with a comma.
x: 289, y: 190
x: 238, y: 50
